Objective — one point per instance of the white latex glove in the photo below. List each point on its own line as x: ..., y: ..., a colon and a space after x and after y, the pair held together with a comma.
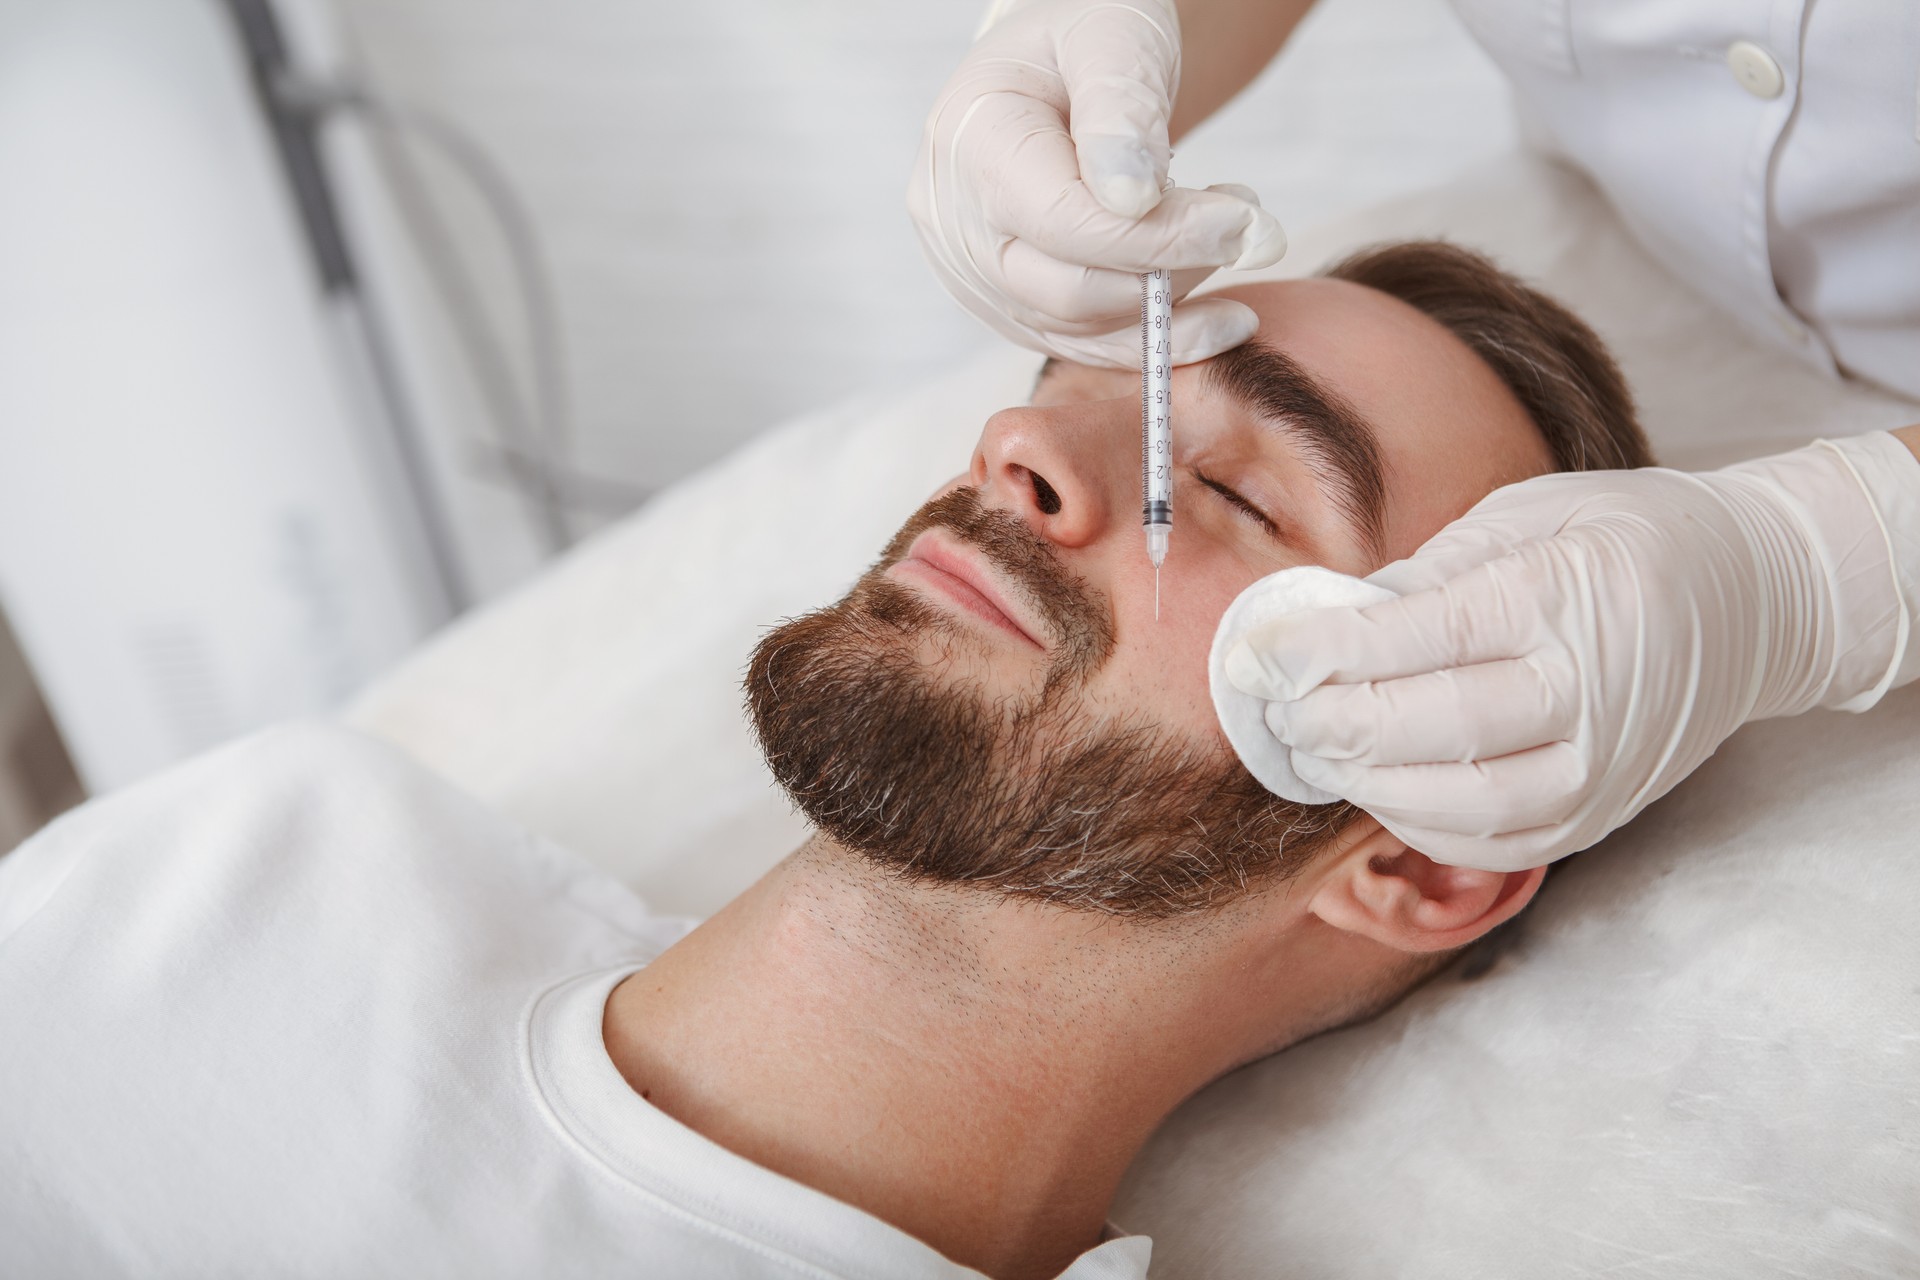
x: 1576, y: 644
x: 1040, y: 189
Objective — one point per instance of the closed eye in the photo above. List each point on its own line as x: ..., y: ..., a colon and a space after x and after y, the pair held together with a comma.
x: 1238, y: 500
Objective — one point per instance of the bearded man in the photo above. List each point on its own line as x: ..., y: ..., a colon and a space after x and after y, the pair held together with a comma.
x: 359, y: 1028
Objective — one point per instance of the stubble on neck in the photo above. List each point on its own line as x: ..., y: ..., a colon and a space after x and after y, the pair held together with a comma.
x: 974, y: 1068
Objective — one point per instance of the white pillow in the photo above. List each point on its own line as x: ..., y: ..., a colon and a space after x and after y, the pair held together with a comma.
x: 1701, y: 1060
x: 1705, y: 1060
x: 600, y: 703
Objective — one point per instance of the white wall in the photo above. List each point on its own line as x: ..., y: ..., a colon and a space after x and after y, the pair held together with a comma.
x: 720, y: 186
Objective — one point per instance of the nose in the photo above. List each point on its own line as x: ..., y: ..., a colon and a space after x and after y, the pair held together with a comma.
x: 1059, y: 467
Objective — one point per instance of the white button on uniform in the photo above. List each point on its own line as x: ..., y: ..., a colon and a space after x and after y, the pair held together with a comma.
x: 1755, y: 69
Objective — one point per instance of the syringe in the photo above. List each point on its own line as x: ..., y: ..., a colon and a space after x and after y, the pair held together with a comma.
x: 1156, y: 418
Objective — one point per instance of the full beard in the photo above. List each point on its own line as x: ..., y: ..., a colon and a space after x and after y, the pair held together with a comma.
x: 932, y: 778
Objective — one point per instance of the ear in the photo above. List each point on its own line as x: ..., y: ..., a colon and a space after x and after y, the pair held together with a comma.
x: 1382, y: 889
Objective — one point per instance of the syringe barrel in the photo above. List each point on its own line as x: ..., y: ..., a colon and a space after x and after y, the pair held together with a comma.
x: 1156, y: 398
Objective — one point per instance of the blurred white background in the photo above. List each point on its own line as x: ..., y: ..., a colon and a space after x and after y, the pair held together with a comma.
x: 717, y: 192
x: 721, y: 187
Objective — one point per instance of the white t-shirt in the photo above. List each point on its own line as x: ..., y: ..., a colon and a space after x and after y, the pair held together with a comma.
x: 301, y: 1008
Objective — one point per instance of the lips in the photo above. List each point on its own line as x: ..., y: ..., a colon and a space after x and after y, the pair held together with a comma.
x: 964, y: 578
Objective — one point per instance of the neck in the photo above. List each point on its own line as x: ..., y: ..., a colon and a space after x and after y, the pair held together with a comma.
x: 976, y: 1070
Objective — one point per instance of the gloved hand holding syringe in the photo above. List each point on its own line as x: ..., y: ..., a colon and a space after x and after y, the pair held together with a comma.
x: 1040, y: 193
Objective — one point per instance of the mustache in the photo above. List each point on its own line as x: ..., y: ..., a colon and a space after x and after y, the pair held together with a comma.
x: 1078, y: 618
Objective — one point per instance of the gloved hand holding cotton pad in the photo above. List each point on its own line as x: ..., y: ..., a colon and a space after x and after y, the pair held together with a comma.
x: 1565, y: 653
x: 1244, y: 716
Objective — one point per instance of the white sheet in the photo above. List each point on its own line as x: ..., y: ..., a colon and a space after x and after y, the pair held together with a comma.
x: 1705, y: 1063
x: 1702, y: 1061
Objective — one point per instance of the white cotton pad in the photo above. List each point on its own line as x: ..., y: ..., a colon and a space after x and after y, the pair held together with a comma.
x: 1242, y: 715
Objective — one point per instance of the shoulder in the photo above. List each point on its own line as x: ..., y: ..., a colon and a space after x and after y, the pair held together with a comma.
x: 312, y: 816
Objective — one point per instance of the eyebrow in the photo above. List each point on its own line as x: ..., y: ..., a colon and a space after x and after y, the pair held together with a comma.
x: 1340, y: 446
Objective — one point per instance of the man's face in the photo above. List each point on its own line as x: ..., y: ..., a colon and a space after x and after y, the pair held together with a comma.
x: 1445, y: 433
x: 1002, y: 665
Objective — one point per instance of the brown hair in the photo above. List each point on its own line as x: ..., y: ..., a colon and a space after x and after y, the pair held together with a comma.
x: 1554, y: 364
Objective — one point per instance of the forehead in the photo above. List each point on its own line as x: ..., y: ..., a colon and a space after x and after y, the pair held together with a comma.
x: 1448, y: 430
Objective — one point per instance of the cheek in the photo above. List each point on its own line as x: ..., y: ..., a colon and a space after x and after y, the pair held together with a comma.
x: 1159, y: 669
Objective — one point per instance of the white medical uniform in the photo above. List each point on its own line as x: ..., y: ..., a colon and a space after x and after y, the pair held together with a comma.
x: 300, y: 1008
x: 1766, y: 151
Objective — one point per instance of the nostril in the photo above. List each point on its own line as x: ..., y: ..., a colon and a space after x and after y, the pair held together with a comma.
x: 1043, y: 493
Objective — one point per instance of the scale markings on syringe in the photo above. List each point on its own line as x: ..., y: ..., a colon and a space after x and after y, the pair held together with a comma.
x: 1156, y: 413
